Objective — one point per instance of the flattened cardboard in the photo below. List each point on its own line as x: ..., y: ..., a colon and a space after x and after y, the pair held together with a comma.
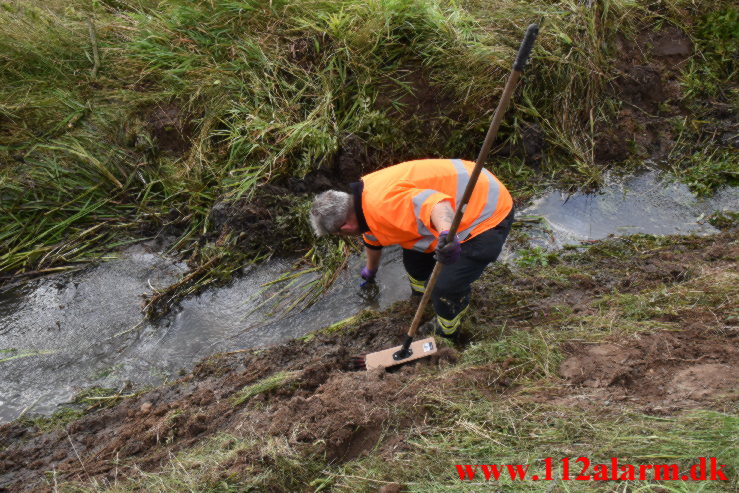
x: 421, y: 349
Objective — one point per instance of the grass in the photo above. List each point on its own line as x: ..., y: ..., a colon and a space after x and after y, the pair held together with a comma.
x: 531, y: 257
x: 82, y: 403
x: 267, y: 384
x: 57, y: 421
x: 724, y: 219
x: 490, y: 406
x: 123, y: 119
x: 516, y: 432
x: 194, y: 470
x: 710, y: 170
x: 465, y: 433
x: 170, y: 108
x: 718, y: 39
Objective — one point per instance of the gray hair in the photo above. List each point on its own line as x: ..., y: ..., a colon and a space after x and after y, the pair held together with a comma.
x: 330, y: 211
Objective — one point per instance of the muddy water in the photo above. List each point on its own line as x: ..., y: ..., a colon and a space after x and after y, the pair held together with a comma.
x: 61, y: 334
x: 646, y: 203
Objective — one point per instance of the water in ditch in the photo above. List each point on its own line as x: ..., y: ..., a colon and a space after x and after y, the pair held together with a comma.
x: 64, y: 333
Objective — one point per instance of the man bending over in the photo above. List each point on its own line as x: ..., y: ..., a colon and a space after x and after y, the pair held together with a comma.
x: 412, y: 204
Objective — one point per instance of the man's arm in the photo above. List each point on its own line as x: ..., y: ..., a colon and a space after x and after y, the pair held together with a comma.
x: 442, y: 216
x: 373, y: 258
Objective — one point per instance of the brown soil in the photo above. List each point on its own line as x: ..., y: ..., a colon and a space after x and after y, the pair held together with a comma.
x: 660, y: 372
x: 325, y: 409
x: 646, y: 79
x: 170, y: 128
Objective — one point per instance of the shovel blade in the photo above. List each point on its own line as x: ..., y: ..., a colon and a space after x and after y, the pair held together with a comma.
x: 420, y: 349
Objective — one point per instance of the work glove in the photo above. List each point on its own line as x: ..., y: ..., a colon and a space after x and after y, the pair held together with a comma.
x: 368, y: 276
x: 448, y: 252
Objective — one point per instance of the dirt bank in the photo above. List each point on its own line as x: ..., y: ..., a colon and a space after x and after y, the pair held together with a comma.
x: 303, y: 396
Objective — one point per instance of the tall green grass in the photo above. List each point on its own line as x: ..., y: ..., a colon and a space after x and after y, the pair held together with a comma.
x: 265, y: 90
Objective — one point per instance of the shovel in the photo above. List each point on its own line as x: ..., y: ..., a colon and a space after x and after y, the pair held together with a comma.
x: 410, y: 350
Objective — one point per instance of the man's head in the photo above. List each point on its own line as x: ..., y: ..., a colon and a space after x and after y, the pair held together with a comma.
x: 332, y: 213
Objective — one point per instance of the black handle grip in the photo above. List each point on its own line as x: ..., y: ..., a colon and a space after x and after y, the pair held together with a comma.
x: 525, y: 50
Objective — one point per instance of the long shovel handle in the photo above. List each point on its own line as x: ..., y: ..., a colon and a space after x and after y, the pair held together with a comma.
x: 523, y: 54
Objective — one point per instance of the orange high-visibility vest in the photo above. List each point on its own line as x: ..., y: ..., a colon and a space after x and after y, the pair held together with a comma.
x: 397, y: 201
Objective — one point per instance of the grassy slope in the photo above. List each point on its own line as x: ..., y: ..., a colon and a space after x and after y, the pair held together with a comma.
x: 503, y: 401
x: 268, y: 91
x: 121, y: 118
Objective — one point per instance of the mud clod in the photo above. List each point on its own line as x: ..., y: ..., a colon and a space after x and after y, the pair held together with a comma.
x: 390, y: 488
x: 169, y: 127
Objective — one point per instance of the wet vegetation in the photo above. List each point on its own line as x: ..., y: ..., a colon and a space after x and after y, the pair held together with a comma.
x: 626, y: 348
x: 213, y: 122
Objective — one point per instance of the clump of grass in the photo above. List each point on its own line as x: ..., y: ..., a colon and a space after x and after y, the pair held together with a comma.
x: 58, y: 420
x: 267, y: 384
x: 81, y: 404
x: 710, y: 291
x: 714, y: 66
x: 536, y: 256
x: 724, y: 219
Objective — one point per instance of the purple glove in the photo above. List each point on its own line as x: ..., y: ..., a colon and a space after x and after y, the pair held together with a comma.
x: 448, y: 252
x: 368, y: 275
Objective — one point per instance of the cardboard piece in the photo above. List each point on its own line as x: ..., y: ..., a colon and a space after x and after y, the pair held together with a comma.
x: 421, y: 349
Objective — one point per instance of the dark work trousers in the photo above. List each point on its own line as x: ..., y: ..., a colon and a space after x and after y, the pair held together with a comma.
x: 451, y: 294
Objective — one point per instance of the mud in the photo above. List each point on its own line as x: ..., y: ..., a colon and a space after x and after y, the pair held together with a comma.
x: 259, y: 223
x: 324, y: 409
x: 170, y: 128
x: 660, y: 372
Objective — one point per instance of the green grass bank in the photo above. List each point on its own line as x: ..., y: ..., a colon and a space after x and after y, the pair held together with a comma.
x: 214, y: 122
x: 625, y: 349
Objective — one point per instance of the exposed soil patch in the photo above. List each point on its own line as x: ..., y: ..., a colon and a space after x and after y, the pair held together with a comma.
x: 170, y: 128
x: 320, y: 408
x: 647, y: 79
x: 662, y: 371
x: 165, y: 127
x: 261, y: 224
x: 694, y: 365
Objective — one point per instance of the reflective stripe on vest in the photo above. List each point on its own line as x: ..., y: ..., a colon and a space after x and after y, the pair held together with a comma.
x: 463, y: 177
x: 427, y: 236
